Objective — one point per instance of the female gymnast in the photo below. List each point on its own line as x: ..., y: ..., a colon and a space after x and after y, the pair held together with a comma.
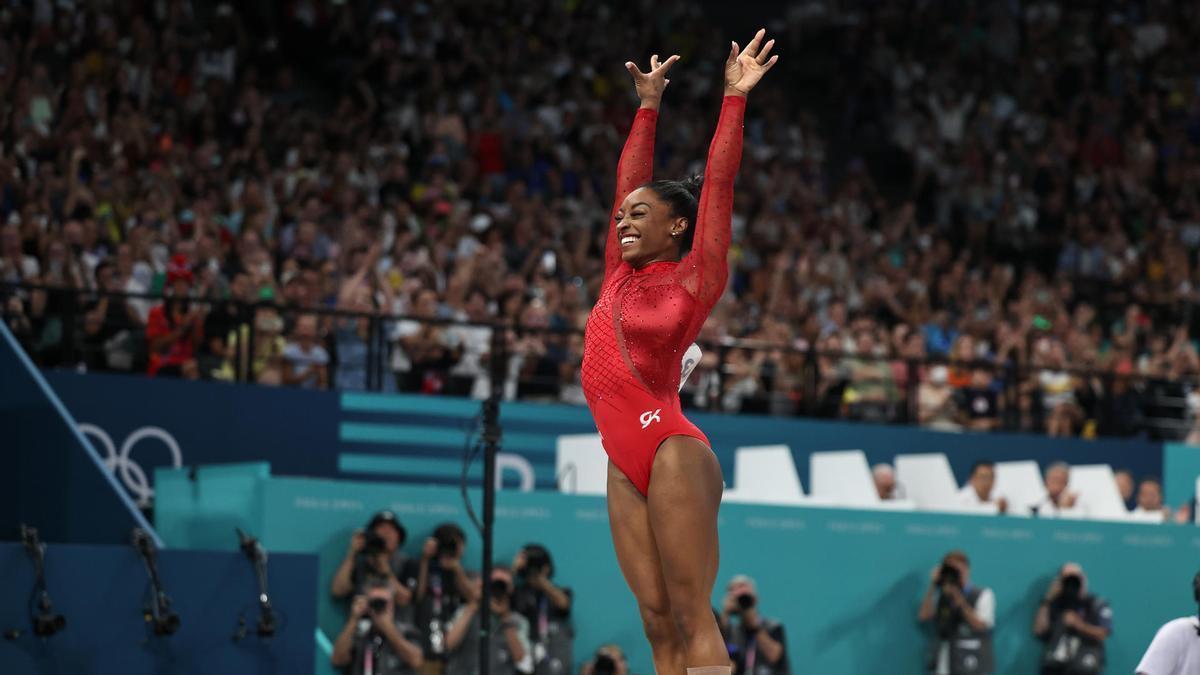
x: 664, y: 269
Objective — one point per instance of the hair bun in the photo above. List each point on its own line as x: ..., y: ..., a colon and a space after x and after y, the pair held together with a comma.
x: 692, y: 184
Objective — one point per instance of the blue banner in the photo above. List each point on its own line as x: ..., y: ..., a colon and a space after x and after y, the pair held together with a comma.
x: 143, y: 423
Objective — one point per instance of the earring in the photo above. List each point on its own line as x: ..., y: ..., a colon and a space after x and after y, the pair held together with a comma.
x: 674, y: 234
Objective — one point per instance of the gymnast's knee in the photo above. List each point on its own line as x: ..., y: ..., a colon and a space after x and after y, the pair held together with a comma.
x: 691, y: 618
x: 659, y: 624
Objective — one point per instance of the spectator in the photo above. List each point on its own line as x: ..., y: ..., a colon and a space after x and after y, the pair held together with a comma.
x: 886, y: 485
x: 1073, y: 624
x: 757, y: 644
x: 979, y: 488
x: 1058, y: 498
x: 305, y: 363
x: 109, y: 324
x: 1124, y: 479
x: 175, y: 327
x: 442, y: 586
x: 978, y: 402
x: 1150, y: 499
x: 936, y: 407
x: 546, y: 608
x: 373, y: 641
x: 511, y: 650
x: 962, y: 615
x: 374, y: 554
x: 1175, y: 649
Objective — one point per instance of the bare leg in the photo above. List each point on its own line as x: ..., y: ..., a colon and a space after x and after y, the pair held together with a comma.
x: 685, y: 493
x: 629, y: 518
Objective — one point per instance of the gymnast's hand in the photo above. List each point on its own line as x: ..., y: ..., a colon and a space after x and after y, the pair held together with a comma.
x: 650, y: 85
x: 743, y: 69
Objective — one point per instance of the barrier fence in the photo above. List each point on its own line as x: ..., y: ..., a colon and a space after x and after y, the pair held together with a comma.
x: 268, y: 342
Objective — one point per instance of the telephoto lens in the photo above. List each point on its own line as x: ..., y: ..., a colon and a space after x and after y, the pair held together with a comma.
x: 377, y: 605
x: 604, y: 665
x: 745, y: 601
x: 498, y: 588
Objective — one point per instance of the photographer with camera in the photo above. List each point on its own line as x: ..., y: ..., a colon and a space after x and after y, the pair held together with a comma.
x: 373, y: 641
x: 374, y: 555
x: 609, y: 660
x: 963, y: 616
x: 442, y: 586
x: 1073, y: 624
x: 511, y: 651
x: 547, y: 608
x: 1175, y: 649
x: 756, y: 644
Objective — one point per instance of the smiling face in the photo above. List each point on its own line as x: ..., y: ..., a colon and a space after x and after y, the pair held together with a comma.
x: 648, y: 230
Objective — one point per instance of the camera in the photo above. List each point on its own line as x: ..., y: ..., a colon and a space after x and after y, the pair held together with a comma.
x: 498, y: 588
x: 537, y: 558
x: 746, y: 601
x: 949, y: 574
x: 377, y: 605
x: 447, y: 545
x: 1072, y: 587
x: 604, y: 665
x: 373, y: 544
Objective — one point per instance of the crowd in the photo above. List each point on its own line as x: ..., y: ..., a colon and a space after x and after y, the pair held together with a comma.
x: 1007, y: 188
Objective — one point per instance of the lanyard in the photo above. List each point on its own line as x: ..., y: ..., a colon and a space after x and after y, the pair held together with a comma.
x: 543, y: 624
x: 751, y: 654
x: 435, y: 584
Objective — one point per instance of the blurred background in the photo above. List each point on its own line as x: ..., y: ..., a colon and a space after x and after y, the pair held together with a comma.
x: 253, y: 257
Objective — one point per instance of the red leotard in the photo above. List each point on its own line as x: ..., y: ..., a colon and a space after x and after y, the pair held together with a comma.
x: 645, y: 318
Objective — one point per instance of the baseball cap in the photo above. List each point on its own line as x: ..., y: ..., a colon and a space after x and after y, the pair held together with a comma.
x: 391, y: 519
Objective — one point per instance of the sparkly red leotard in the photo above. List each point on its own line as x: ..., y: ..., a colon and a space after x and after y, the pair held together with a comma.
x: 645, y: 318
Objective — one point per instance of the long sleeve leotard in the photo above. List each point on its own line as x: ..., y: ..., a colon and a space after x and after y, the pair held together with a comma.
x: 646, y: 317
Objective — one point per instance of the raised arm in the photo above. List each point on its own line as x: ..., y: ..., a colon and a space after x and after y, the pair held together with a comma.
x: 708, y: 268
x: 636, y: 166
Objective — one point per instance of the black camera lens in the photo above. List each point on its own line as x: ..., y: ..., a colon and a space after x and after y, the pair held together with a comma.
x: 949, y: 574
x: 1072, y: 586
x: 377, y: 605
x: 373, y: 544
x: 498, y: 588
x: 604, y: 665
x: 746, y: 600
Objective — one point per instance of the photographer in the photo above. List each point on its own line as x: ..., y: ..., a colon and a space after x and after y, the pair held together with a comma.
x: 374, y: 554
x: 373, y: 641
x: 756, y: 644
x: 511, y: 651
x: 1175, y: 649
x: 442, y: 586
x: 547, y: 608
x: 609, y: 660
x: 1073, y: 624
x: 962, y: 615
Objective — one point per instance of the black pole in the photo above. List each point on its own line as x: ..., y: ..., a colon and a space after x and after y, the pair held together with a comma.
x: 491, y: 444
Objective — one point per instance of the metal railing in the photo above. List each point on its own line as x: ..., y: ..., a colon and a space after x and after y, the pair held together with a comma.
x: 244, y: 341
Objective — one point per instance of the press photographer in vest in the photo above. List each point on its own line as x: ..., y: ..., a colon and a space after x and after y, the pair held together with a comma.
x: 442, y: 586
x: 756, y: 644
x: 374, y: 555
x: 547, y: 608
x: 1074, y: 625
x: 511, y: 652
x: 373, y: 641
x: 962, y: 615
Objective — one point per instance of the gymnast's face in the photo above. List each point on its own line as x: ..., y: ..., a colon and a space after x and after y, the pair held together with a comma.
x: 648, y: 230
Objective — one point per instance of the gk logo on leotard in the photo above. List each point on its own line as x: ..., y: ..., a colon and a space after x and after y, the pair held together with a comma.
x: 650, y: 416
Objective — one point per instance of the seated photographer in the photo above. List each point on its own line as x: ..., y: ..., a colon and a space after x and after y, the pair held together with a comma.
x: 511, y: 650
x: 962, y: 615
x: 442, y: 585
x: 547, y: 608
x: 373, y: 640
x: 756, y: 644
x: 374, y: 553
x: 1074, y: 625
x: 609, y: 660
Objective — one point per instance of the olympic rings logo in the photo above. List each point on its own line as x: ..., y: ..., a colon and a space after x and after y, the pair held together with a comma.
x: 119, y: 462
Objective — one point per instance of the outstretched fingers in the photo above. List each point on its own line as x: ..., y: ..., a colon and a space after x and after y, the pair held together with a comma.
x: 662, y: 68
x: 765, y: 53
x: 634, y: 70
x: 756, y: 43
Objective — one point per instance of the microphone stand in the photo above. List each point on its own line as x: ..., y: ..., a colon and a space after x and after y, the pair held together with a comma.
x: 258, y: 557
x: 491, y: 445
x: 45, y: 622
x: 158, y: 611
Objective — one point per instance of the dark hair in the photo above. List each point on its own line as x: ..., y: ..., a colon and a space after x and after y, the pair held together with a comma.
x: 957, y: 555
x: 980, y: 463
x: 447, y: 531
x: 684, y: 197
